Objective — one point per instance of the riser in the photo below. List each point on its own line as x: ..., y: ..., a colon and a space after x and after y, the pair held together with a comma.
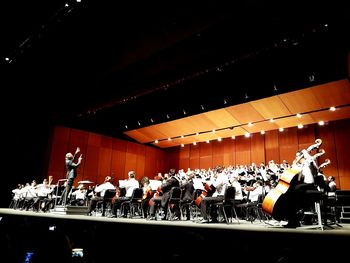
x: 345, y: 214
x: 344, y: 220
x: 71, y: 210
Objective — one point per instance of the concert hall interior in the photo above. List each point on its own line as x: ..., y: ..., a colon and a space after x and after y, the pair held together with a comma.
x: 159, y: 85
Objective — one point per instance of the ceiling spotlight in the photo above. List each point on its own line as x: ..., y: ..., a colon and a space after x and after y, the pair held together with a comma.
x: 126, y: 126
x: 182, y: 145
x: 311, y: 78
x: 219, y: 139
x: 250, y: 124
x: 281, y: 129
x: 214, y: 130
x: 169, y: 139
x: 262, y: 132
x: 7, y: 59
x: 321, y: 123
x: 182, y: 136
x: 233, y: 137
x: 156, y: 141
x: 194, y: 143
x: 300, y: 126
x: 272, y: 120
x: 298, y: 115
x: 207, y: 141
x: 197, y: 133
x: 247, y: 135
x: 332, y: 108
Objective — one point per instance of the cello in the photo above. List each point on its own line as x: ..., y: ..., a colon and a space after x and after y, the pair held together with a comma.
x: 276, y: 200
x: 209, y: 190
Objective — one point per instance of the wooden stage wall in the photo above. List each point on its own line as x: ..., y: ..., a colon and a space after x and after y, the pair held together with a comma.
x: 274, y: 145
x: 104, y: 155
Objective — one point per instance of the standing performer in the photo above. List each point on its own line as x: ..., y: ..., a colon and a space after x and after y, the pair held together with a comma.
x: 289, y: 198
x: 71, y: 168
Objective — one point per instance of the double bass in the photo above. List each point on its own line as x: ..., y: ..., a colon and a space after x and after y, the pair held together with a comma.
x: 276, y: 200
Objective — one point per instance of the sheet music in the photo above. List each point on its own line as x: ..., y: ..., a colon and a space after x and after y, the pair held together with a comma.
x: 154, y: 184
x: 122, y: 183
x: 197, y: 184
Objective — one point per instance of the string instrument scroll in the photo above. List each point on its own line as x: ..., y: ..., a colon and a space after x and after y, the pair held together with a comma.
x: 276, y: 200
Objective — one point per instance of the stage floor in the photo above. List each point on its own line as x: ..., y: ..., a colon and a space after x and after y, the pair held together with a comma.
x: 272, y: 225
x: 103, y: 238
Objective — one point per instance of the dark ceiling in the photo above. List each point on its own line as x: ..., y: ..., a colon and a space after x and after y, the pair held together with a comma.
x: 109, y: 66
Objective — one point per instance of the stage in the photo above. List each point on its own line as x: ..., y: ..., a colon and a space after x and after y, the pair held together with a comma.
x: 51, y: 236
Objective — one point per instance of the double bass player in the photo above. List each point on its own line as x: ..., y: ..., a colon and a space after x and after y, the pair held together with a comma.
x: 289, y: 199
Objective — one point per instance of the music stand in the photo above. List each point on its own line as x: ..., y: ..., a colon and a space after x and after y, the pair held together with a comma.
x: 154, y: 184
x: 58, y: 184
x: 85, y: 182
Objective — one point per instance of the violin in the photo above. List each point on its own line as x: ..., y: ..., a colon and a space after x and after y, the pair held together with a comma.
x: 120, y: 191
x: 148, y: 193
x: 155, y: 195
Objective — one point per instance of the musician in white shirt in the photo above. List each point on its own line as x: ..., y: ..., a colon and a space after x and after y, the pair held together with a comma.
x: 220, y: 182
x: 130, y: 185
x: 100, y: 191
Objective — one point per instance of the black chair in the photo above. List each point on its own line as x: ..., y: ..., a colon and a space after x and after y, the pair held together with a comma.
x: 134, y: 204
x: 174, y: 201
x: 227, y: 205
x: 106, y: 202
x: 194, y: 209
x: 316, y: 197
x: 342, y: 205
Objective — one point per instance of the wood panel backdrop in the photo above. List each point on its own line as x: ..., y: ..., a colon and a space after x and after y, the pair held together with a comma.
x: 104, y: 155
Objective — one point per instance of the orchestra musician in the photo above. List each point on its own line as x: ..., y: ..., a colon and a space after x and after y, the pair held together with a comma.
x: 172, y: 181
x: 43, y: 191
x: 130, y: 185
x: 220, y: 182
x: 298, y: 200
x: 100, y: 191
x: 187, y: 190
x: 147, y: 195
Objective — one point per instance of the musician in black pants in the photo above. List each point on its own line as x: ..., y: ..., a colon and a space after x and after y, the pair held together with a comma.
x: 163, y: 200
x: 298, y: 200
x: 71, y: 168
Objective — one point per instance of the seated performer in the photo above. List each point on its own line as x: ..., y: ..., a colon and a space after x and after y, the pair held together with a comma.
x: 130, y: 184
x: 163, y: 200
x: 100, y: 191
x: 147, y: 195
x: 79, y: 196
x: 220, y: 183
